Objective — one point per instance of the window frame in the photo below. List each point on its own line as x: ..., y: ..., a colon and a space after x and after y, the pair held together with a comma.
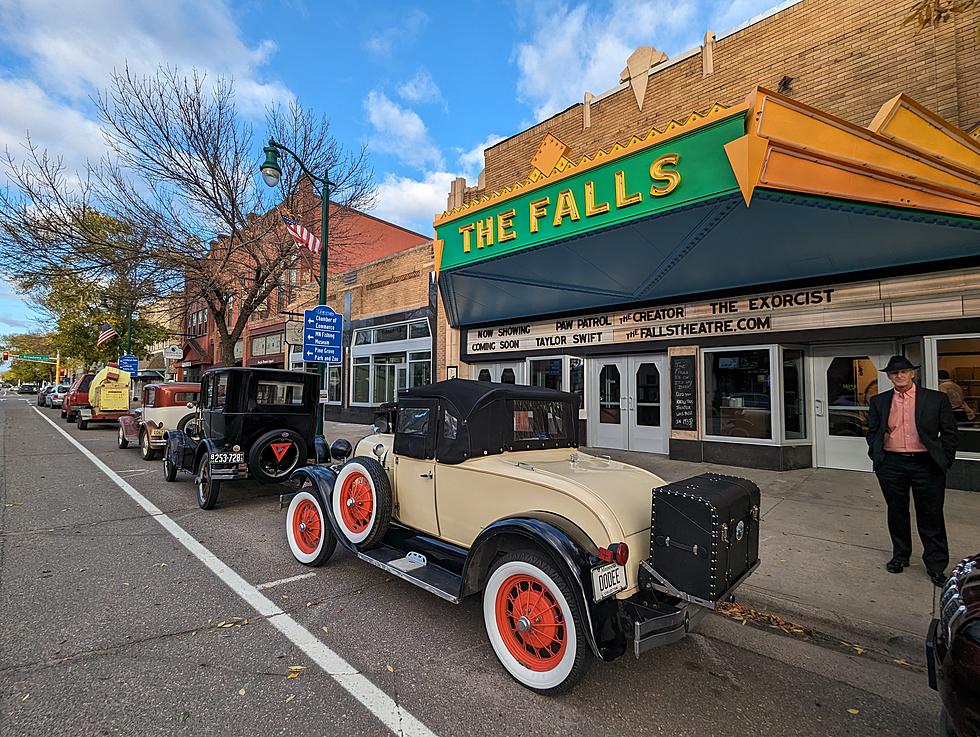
x: 930, y: 379
x: 775, y: 396
x: 372, y: 348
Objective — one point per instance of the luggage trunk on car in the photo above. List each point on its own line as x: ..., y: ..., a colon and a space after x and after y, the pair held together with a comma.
x: 704, y: 534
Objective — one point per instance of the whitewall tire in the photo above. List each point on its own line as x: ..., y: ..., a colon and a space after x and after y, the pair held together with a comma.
x: 535, y: 624
x: 361, y: 501
x: 311, y: 539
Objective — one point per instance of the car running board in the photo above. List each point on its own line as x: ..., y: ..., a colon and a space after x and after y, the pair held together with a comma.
x: 414, y: 569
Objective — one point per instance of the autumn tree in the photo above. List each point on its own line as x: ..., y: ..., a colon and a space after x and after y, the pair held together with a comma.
x: 32, y: 344
x: 932, y: 13
x: 182, y: 174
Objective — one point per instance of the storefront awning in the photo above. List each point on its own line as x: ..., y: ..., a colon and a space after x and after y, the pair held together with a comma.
x: 771, y: 192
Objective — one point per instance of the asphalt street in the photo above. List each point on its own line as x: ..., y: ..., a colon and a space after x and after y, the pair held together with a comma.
x: 111, y: 625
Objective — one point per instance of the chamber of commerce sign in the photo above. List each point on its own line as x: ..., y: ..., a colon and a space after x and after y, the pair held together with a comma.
x: 948, y: 295
x: 683, y: 169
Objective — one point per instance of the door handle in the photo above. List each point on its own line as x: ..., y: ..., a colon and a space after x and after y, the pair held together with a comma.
x: 818, y: 407
x: 426, y: 475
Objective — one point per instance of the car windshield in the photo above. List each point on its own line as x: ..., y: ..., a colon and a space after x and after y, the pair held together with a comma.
x: 83, y: 387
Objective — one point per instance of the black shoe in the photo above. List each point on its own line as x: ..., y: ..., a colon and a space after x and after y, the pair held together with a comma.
x: 938, y: 577
x: 895, y: 565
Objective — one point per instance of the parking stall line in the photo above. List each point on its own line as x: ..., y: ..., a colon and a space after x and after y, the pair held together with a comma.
x: 270, y: 584
x: 376, y: 701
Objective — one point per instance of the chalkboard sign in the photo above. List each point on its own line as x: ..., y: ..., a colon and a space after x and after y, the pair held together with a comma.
x: 683, y: 393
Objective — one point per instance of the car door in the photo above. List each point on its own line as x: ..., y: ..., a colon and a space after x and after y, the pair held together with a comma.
x: 416, y: 469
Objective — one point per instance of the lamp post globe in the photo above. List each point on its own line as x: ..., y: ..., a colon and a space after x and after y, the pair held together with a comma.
x: 271, y: 172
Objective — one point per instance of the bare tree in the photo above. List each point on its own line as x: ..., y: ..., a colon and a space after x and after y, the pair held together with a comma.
x: 181, y: 174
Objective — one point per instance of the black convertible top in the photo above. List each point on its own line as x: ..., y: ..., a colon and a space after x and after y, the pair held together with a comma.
x: 467, y: 397
x: 458, y: 419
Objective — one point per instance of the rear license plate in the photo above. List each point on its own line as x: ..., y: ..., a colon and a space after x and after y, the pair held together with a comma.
x: 607, y: 580
x: 156, y: 433
x: 226, y: 457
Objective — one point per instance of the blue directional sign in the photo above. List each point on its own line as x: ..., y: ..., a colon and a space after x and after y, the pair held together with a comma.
x: 322, y: 331
x: 129, y: 363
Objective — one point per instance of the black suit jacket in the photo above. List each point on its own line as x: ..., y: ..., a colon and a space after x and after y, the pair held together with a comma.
x: 933, y: 419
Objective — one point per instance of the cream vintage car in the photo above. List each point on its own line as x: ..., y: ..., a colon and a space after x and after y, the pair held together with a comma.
x: 165, y: 406
x: 480, y: 489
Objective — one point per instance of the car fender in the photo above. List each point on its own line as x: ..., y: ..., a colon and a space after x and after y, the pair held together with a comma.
x: 129, y: 428
x: 181, y: 449
x: 323, y: 479
x: 570, y: 548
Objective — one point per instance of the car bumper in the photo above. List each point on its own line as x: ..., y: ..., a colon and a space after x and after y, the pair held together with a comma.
x: 56, y: 402
x: 931, y: 654
x: 653, y: 628
x: 237, y: 472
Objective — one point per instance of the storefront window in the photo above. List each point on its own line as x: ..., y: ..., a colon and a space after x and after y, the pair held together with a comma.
x: 362, y: 379
x: 420, y: 365
x: 851, y: 382
x: 333, y: 384
x: 648, y: 395
x: 609, y: 393
x: 386, y: 380
x: 958, y: 376
x: 546, y: 372
x: 418, y: 329
x: 576, y: 378
x: 794, y: 395
x: 737, y: 395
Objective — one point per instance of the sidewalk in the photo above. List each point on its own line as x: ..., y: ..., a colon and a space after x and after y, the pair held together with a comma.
x: 823, y: 548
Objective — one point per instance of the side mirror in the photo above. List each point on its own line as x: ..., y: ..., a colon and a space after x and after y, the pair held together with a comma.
x: 191, y: 405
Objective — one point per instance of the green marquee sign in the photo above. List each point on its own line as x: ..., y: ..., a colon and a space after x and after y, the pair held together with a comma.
x: 686, y: 168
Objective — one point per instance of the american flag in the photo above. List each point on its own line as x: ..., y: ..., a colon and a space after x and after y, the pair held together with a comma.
x: 106, y: 333
x: 300, y: 234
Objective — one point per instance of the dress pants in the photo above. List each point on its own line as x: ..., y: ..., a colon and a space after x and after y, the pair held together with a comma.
x: 898, y: 473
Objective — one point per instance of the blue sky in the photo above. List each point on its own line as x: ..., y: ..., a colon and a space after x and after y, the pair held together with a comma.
x: 425, y: 86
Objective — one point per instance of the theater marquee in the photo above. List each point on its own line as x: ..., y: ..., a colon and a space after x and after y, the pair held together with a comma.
x: 948, y: 295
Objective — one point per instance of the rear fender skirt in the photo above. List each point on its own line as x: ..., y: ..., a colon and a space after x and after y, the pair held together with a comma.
x: 570, y: 548
x: 323, y: 479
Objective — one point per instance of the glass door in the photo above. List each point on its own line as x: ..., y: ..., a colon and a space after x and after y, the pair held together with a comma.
x: 845, y: 378
x: 647, y: 410
x: 609, y: 407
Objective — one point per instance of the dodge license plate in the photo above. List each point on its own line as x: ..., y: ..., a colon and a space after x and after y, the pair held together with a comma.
x: 607, y: 580
x: 227, y: 457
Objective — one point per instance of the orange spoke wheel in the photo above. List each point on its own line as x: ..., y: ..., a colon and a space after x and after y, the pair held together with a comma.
x: 307, y: 527
x: 356, y: 503
x: 531, y: 623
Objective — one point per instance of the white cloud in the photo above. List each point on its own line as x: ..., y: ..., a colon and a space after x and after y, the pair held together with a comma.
x: 420, y: 88
x: 410, y: 24
x: 73, y: 48
x: 412, y: 203
x: 574, y: 49
x: 401, y: 132
x: 730, y: 15
x: 472, y: 161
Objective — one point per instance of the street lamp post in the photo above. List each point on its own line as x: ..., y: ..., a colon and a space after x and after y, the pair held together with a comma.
x: 271, y: 173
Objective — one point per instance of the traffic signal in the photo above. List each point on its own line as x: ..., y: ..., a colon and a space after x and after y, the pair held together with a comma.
x: 6, y: 355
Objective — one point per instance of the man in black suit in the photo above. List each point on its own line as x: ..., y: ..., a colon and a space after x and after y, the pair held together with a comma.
x: 912, y: 441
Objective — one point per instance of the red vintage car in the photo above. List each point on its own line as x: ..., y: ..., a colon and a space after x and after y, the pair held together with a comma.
x: 77, y: 397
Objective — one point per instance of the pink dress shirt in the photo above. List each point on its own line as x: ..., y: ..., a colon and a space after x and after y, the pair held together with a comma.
x: 902, y: 435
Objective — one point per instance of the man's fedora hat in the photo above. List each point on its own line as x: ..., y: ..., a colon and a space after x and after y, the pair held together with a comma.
x: 898, y: 363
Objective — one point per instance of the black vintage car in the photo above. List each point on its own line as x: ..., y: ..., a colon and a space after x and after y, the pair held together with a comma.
x: 255, y: 424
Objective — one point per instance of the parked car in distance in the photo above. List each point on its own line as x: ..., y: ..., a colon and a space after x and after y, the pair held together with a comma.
x: 953, y: 651
x: 27, y: 389
x: 76, y: 397
x: 42, y: 394
x: 254, y: 424
x: 164, y: 406
x: 57, y: 397
x: 480, y: 488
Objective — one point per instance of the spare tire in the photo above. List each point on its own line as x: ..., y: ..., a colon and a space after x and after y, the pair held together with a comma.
x: 275, y: 455
x: 362, y: 501
x: 190, y: 424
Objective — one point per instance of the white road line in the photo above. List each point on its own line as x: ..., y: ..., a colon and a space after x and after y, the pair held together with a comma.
x: 382, y: 706
x: 270, y: 584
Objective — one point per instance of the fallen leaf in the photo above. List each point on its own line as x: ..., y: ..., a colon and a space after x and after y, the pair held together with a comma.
x: 325, y: 630
x: 241, y: 692
x: 902, y: 661
x: 389, y: 669
x: 857, y: 649
x: 220, y: 624
x: 297, y: 667
x: 284, y: 596
x: 163, y: 565
x: 290, y: 698
x: 183, y: 716
x: 26, y: 697
x: 294, y: 674
x: 309, y: 603
x: 854, y: 712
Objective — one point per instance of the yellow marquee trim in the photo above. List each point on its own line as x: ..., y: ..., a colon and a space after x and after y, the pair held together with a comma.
x: 564, y: 167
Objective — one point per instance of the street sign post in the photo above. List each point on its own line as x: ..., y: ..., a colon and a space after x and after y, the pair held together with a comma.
x: 34, y: 357
x: 129, y: 363
x: 322, y: 331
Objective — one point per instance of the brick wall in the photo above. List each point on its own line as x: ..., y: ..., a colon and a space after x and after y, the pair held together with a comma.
x: 846, y: 57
